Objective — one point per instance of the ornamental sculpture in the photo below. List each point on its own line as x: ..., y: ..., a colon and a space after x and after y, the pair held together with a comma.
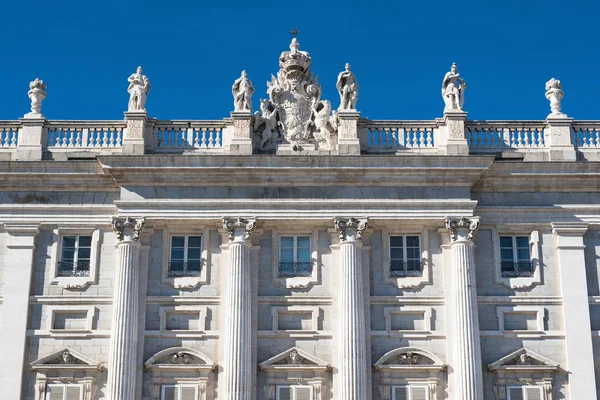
x: 294, y: 113
x: 453, y: 224
x: 181, y: 358
x: 120, y: 224
x: 554, y: 94
x: 453, y: 90
x: 359, y: 224
x: 231, y: 224
x: 348, y: 89
x: 139, y: 85
x: 37, y: 94
x: 242, y: 91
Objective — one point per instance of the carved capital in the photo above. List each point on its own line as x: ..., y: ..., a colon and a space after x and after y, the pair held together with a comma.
x: 240, y: 224
x: 343, y: 224
x: 121, y: 224
x: 454, y: 225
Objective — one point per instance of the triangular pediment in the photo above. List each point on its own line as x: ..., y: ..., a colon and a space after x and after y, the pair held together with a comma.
x: 523, y: 359
x: 409, y: 357
x: 65, y: 358
x: 294, y: 357
x: 179, y: 357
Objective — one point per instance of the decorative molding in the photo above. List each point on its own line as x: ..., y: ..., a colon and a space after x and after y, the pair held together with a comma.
x: 314, y: 312
x: 406, y: 282
x: 240, y: 223
x: 522, y: 283
x: 342, y: 224
x: 454, y: 224
x: 200, y: 311
x: 119, y: 225
x: 539, y: 312
x: 51, y: 312
x: 404, y: 310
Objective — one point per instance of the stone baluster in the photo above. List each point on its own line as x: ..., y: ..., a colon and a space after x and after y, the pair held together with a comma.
x: 237, y: 336
x: 124, y: 332
x: 353, y: 355
x: 468, y: 374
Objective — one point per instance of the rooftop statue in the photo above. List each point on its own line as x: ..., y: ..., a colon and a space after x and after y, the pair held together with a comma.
x: 555, y: 94
x: 453, y: 90
x: 242, y: 91
x: 37, y: 94
x: 139, y: 85
x: 348, y: 89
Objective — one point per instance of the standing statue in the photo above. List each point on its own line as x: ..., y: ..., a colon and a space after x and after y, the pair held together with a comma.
x: 270, y: 120
x: 242, y: 90
x: 348, y: 89
x: 37, y: 94
x: 139, y: 85
x: 453, y: 90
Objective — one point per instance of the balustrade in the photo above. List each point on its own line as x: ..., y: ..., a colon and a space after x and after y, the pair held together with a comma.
x: 198, y: 135
x: 586, y: 134
x: 89, y: 135
x: 498, y: 135
x: 400, y: 134
x: 9, y: 135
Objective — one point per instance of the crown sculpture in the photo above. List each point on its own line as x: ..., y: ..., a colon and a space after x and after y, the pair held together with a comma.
x: 295, y: 114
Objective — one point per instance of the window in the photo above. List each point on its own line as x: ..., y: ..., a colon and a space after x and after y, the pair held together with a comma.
x: 186, y: 256
x: 405, y: 256
x: 515, y: 259
x: 296, y: 392
x: 179, y: 392
x: 409, y: 393
x: 294, y: 256
x: 525, y: 393
x: 63, y: 392
x: 75, y: 256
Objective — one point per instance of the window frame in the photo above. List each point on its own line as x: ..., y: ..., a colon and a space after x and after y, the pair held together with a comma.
x: 516, y: 260
x: 523, y: 391
x: 177, y: 385
x: 186, y: 282
x: 51, y: 312
x: 65, y: 385
x: 164, y: 312
x: 186, y: 249
x: 404, y: 309
x: 406, y: 282
x: 314, y: 311
x: 77, y: 247
x: 405, y: 259
x: 540, y: 312
x: 523, y: 283
x: 295, y: 248
x: 279, y: 387
x: 75, y: 282
x: 295, y: 282
x: 394, y: 387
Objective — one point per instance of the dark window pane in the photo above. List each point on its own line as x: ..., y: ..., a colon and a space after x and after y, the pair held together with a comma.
x: 287, y: 241
x: 83, y: 254
x: 506, y: 254
x: 396, y: 253
x: 177, y: 241
x: 522, y: 241
x: 194, y: 266
x: 287, y: 255
x: 68, y: 254
x: 523, y: 254
x: 412, y: 241
x: 396, y: 241
x: 177, y: 254
x: 194, y: 254
x: 69, y: 241
x: 195, y: 241
x: 85, y: 241
x: 303, y: 255
x: 412, y: 253
x: 303, y: 241
x: 506, y: 241
x: 176, y: 266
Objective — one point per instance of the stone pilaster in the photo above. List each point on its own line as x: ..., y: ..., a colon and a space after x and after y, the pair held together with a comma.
x: 238, y: 139
x: 559, y: 138
x: 122, y: 369
x: 348, y: 141
x: 353, y: 344
x: 32, y: 138
x: 138, y: 134
x: 238, y: 370
x: 468, y: 373
x: 15, y: 307
x: 570, y: 249
x: 451, y: 138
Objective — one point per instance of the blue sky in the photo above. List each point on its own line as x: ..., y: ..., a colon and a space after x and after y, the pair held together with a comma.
x: 193, y: 50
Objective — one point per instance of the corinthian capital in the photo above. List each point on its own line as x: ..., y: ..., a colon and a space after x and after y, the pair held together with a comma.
x: 233, y: 224
x: 121, y: 224
x: 343, y: 224
x: 454, y: 225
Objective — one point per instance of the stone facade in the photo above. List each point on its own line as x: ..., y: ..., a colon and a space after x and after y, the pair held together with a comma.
x: 446, y: 259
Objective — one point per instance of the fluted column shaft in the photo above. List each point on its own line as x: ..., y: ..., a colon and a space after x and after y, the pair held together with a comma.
x: 468, y: 374
x: 124, y: 335
x: 237, y: 337
x: 353, y: 363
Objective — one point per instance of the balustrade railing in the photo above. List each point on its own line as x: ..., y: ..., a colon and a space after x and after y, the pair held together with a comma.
x: 586, y: 134
x: 176, y: 135
x: 498, y: 135
x: 385, y: 135
x: 9, y: 135
x: 88, y: 134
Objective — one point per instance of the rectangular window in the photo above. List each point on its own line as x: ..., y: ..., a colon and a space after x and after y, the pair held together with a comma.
x: 63, y: 392
x: 179, y: 392
x: 405, y: 256
x: 515, y: 258
x: 75, y: 256
x: 294, y: 256
x: 295, y: 392
x: 410, y: 393
x: 525, y: 393
x: 186, y: 256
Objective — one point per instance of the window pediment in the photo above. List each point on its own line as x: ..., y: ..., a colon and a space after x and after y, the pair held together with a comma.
x: 65, y: 359
x: 294, y: 358
x: 524, y: 360
x: 180, y: 358
x: 410, y: 358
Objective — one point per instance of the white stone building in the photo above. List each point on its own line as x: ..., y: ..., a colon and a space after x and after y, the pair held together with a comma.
x: 299, y: 253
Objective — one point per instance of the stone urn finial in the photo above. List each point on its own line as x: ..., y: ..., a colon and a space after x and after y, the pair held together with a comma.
x: 37, y: 94
x: 554, y: 94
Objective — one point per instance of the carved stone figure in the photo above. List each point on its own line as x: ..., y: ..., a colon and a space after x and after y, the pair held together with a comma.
x: 37, y: 94
x: 139, y: 85
x: 453, y: 90
x: 242, y: 91
x: 348, y: 89
x: 294, y: 358
x: 555, y: 94
x: 181, y: 358
x: 294, y: 112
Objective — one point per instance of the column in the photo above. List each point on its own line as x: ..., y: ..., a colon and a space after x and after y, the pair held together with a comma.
x: 576, y: 309
x: 353, y: 354
x: 124, y: 328
x: 468, y: 374
x: 15, y: 308
x: 237, y: 335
